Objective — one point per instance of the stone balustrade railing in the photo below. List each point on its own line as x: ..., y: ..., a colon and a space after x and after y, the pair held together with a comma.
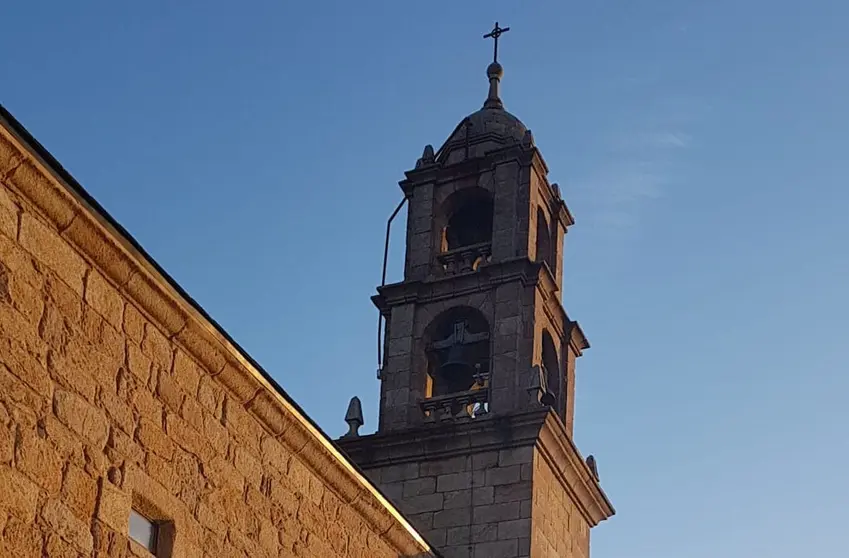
x: 465, y: 258
x: 456, y: 406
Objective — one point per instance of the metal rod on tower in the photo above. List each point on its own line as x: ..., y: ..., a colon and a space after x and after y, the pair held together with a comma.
x: 382, y: 283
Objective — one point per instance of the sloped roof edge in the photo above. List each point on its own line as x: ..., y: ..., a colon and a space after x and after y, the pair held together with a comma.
x: 138, y: 256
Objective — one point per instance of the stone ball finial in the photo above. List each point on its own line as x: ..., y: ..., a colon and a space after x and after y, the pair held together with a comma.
x: 354, y: 418
x: 495, y: 70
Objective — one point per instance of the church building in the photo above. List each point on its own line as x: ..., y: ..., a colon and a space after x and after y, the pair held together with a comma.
x: 132, y: 425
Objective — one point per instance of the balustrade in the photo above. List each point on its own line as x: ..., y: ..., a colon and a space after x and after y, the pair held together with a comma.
x: 456, y: 406
x: 465, y: 258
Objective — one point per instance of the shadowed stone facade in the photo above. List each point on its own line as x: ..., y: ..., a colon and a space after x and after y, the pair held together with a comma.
x: 474, y: 442
x: 117, y: 392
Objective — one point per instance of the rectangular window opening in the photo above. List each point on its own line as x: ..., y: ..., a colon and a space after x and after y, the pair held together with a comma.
x: 144, y: 531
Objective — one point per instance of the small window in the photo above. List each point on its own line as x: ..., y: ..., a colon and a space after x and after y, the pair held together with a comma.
x: 144, y: 531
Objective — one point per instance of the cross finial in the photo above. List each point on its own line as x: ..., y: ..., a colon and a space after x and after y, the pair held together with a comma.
x: 494, y: 34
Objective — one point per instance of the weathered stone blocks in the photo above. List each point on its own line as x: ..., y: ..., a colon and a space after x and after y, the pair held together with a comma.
x: 80, y: 416
x: 79, y: 491
x: 49, y: 248
x: 115, y: 393
x: 68, y: 526
x: 104, y: 299
x: 20, y: 495
x: 9, y: 214
x: 36, y: 458
x: 113, y: 506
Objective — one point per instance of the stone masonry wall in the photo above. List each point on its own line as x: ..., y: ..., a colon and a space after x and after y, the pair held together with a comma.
x: 102, y: 409
x: 472, y: 506
x: 559, y: 529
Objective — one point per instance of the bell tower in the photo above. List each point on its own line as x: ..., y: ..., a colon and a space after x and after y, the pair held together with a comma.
x: 474, y: 442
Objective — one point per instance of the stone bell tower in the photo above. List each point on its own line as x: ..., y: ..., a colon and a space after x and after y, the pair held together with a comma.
x: 474, y: 443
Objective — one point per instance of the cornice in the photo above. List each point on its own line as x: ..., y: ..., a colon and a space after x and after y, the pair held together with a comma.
x: 439, y: 440
x: 486, y: 278
x: 563, y: 213
x: 31, y: 172
x: 437, y: 173
x: 540, y: 428
x: 578, y: 340
x: 536, y: 159
x: 570, y: 468
x: 443, y: 288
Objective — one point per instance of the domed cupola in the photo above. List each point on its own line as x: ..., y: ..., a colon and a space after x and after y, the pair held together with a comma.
x: 485, y: 130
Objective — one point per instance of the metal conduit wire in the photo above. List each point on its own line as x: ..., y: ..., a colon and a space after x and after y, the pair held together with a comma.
x: 383, y: 283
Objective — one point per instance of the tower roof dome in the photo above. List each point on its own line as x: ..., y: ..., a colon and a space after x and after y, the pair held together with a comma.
x: 495, y: 122
x: 489, y: 128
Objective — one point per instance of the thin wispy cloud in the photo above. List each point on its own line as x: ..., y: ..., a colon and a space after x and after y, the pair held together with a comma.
x: 669, y: 139
x: 644, y: 158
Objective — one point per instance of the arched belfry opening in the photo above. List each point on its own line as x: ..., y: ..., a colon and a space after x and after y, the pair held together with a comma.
x: 457, y: 346
x: 465, y: 230
x: 470, y: 224
x: 551, y: 365
x: 544, y: 248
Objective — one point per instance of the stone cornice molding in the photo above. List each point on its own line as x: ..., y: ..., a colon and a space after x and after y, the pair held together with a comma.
x: 539, y: 428
x: 450, y: 287
x: 440, y: 440
x: 31, y: 172
x: 473, y: 166
x: 438, y: 174
x: 577, y: 339
x: 570, y: 468
x: 563, y: 213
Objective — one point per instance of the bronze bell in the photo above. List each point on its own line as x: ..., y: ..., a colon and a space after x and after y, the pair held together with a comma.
x: 457, y: 372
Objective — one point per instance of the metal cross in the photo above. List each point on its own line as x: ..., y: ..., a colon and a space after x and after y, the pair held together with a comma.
x: 494, y: 34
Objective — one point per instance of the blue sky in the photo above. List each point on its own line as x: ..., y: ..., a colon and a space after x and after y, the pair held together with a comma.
x: 255, y: 153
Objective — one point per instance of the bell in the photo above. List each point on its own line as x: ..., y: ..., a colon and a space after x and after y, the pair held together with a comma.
x: 458, y: 373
